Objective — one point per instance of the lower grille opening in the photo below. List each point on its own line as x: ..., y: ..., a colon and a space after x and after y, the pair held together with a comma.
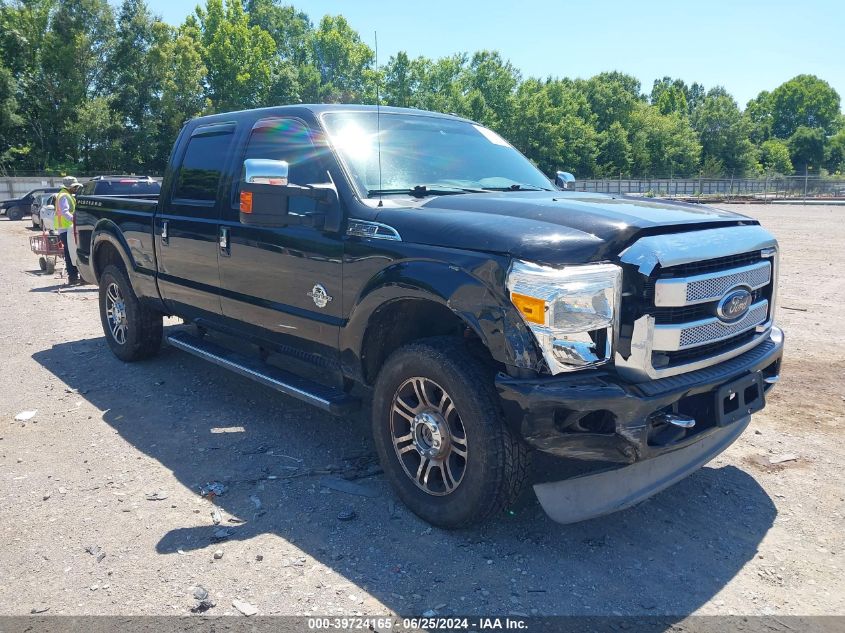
x: 670, y: 359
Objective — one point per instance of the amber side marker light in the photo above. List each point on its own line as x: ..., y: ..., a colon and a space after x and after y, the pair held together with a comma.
x: 533, y: 309
x: 246, y: 202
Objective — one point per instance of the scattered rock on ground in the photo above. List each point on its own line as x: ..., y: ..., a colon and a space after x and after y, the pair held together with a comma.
x: 244, y: 607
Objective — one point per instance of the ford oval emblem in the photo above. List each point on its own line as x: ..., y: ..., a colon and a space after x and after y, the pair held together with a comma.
x: 734, y: 305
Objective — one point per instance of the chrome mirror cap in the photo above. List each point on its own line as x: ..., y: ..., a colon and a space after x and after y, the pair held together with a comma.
x: 565, y: 180
x: 266, y: 172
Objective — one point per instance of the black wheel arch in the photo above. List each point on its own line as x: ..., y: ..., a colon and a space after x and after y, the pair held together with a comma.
x: 412, y: 300
x: 109, y: 246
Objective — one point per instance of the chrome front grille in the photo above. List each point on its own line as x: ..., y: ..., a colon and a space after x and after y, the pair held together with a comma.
x: 676, y: 326
x: 672, y: 338
x: 711, y: 286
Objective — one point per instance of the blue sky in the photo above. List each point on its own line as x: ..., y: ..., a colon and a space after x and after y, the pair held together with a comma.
x: 745, y: 45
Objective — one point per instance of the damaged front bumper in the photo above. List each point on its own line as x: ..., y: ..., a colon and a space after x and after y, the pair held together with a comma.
x: 623, y: 442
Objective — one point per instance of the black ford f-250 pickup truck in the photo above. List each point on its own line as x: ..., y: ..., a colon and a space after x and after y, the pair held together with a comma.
x: 505, y: 328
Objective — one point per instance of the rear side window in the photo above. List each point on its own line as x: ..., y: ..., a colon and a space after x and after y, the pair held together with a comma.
x: 203, y: 163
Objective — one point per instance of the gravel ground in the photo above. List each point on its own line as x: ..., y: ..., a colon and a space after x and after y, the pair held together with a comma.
x: 101, y: 513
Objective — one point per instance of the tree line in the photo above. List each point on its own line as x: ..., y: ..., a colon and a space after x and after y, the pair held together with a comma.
x: 85, y: 87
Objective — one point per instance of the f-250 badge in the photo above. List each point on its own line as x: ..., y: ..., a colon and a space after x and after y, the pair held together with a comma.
x: 320, y: 296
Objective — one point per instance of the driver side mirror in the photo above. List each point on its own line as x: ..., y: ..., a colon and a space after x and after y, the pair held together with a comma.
x: 262, y: 202
x: 565, y: 180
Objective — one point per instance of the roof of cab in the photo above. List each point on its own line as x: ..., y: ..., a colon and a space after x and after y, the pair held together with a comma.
x: 315, y: 108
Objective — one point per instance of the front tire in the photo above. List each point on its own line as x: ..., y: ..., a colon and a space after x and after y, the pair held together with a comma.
x: 133, y: 331
x: 440, y: 435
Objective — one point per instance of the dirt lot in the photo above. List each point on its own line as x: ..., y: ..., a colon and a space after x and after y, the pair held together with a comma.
x: 100, y: 511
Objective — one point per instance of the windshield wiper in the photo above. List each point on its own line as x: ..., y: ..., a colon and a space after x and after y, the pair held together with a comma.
x: 517, y: 187
x: 421, y: 191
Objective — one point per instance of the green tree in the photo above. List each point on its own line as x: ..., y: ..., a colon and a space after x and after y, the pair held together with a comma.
x: 663, y: 144
x: 71, y: 57
x: 615, y: 155
x: 612, y: 98
x: 672, y: 100
x: 676, y: 88
x: 296, y: 76
x: 489, y: 83
x: 243, y: 68
x: 440, y: 84
x: 760, y: 117
x: 536, y: 131
x: 134, y: 96
x: 806, y: 148
x: 98, y: 134
x: 22, y: 26
x: 774, y: 157
x: 10, y: 120
x: 806, y: 101
x: 550, y: 124
x: 344, y: 62
x: 835, y: 153
x: 400, y: 85
x: 290, y: 28
x: 183, y: 88
x: 723, y: 133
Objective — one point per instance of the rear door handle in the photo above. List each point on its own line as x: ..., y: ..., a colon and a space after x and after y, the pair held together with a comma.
x: 224, y: 240
x: 164, y: 232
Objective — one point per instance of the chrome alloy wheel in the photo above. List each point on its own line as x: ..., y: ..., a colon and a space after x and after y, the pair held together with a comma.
x: 428, y: 436
x: 116, y: 313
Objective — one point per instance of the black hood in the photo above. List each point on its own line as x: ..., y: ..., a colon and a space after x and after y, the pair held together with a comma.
x: 556, y: 227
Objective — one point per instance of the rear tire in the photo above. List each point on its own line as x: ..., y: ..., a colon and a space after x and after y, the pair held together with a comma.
x: 133, y: 331
x: 441, y: 437
x: 15, y: 213
x: 42, y: 264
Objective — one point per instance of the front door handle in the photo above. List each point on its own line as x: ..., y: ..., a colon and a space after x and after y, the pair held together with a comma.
x: 164, y: 232
x: 224, y: 240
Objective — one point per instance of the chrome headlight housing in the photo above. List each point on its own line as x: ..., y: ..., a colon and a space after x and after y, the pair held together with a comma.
x: 572, y: 311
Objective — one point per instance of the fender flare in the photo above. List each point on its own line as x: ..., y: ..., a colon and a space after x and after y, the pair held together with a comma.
x: 107, y: 232
x: 489, y: 315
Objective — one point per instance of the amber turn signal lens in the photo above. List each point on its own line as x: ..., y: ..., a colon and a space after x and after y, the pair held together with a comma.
x: 534, y: 310
x: 246, y: 202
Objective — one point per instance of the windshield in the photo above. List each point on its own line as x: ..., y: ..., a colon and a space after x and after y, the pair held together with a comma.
x: 426, y: 152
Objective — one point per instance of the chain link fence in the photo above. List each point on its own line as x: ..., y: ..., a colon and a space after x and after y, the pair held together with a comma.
x: 781, y: 187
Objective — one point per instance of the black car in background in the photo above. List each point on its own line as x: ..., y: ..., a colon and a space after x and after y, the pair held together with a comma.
x: 16, y: 208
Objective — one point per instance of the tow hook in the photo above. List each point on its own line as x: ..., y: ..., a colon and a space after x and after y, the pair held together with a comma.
x: 675, y: 419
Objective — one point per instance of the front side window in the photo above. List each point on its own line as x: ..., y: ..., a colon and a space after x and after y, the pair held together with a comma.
x: 202, y: 165
x: 426, y: 151
x: 288, y: 140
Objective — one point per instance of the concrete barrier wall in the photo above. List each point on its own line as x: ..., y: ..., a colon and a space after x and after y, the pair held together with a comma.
x: 15, y: 187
